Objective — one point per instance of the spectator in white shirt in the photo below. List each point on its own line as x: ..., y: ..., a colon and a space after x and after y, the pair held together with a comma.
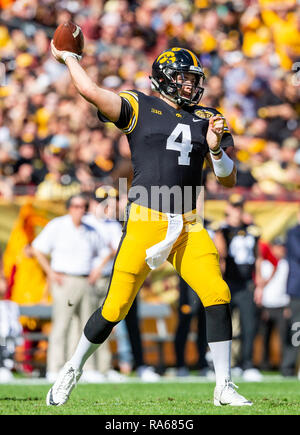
x: 110, y: 232
x: 73, y: 247
x: 275, y: 301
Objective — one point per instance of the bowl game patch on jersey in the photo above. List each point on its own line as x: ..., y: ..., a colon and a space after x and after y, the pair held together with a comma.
x: 205, y: 114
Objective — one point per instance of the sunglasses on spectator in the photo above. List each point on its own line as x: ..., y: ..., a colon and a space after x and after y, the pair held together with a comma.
x: 78, y: 205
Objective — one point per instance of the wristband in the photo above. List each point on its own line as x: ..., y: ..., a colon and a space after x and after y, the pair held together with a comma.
x: 224, y: 166
x: 216, y: 152
x: 66, y: 54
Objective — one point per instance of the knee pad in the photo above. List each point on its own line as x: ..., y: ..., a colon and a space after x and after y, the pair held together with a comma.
x: 97, y: 328
x: 218, y: 323
x: 115, y: 312
x: 219, y: 293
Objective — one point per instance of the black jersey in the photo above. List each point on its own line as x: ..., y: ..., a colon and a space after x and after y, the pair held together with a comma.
x: 242, y: 247
x: 168, y: 148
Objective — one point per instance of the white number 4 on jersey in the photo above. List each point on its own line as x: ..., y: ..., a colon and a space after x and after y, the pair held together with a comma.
x: 185, y: 146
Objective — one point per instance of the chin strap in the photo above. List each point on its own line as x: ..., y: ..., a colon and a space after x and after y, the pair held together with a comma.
x: 177, y: 100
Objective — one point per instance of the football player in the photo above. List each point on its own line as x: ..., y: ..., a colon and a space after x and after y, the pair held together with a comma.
x: 170, y: 137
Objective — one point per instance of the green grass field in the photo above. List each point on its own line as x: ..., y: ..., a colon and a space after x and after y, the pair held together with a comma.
x: 281, y: 397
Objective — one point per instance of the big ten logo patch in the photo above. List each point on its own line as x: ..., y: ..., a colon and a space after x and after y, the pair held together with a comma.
x: 158, y: 112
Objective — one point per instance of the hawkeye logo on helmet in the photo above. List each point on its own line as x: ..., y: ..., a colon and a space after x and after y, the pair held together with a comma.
x: 167, y: 57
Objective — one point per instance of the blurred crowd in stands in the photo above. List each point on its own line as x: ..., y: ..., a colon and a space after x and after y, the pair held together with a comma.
x: 51, y: 141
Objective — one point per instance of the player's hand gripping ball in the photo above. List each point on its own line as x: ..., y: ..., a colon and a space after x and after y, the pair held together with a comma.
x: 68, y: 38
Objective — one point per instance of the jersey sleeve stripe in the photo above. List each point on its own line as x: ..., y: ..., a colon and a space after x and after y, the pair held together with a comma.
x: 132, y: 99
x: 131, y: 126
x: 193, y: 57
x: 133, y: 94
x: 133, y: 113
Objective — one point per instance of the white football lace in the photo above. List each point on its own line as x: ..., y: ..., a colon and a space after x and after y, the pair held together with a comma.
x: 230, y: 387
x: 66, y: 383
x: 230, y: 384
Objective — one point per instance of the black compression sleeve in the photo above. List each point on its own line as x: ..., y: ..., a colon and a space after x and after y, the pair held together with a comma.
x: 97, y: 329
x: 218, y: 323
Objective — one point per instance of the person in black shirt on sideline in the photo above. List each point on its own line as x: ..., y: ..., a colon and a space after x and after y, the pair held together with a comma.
x: 237, y: 243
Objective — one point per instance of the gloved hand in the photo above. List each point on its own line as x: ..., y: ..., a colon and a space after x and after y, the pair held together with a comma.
x: 61, y: 55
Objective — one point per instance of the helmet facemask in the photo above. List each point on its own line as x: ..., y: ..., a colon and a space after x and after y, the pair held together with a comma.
x: 175, y: 86
x: 189, y: 86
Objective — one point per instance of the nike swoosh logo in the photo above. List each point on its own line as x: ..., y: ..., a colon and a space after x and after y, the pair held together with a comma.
x: 51, y: 401
x: 197, y: 120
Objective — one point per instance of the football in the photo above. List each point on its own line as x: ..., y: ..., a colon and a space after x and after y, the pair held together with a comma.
x: 69, y: 37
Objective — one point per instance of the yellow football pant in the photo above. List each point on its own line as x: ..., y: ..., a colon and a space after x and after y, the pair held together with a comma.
x: 194, y: 257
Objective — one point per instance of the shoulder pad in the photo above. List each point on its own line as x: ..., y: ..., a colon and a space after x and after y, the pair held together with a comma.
x: 254, y: 230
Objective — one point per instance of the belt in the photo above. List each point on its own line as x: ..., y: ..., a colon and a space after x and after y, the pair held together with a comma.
x: 73, y: 275
x: 139, y: 212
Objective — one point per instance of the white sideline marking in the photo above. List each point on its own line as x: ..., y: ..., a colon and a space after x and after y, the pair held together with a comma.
x: 163, y: 380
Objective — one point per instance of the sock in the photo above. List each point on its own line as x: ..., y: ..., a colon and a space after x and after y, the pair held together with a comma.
x: 84, y: 350
x: 219, y: 338
x: 221, y: 356
x: 97, y: 328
